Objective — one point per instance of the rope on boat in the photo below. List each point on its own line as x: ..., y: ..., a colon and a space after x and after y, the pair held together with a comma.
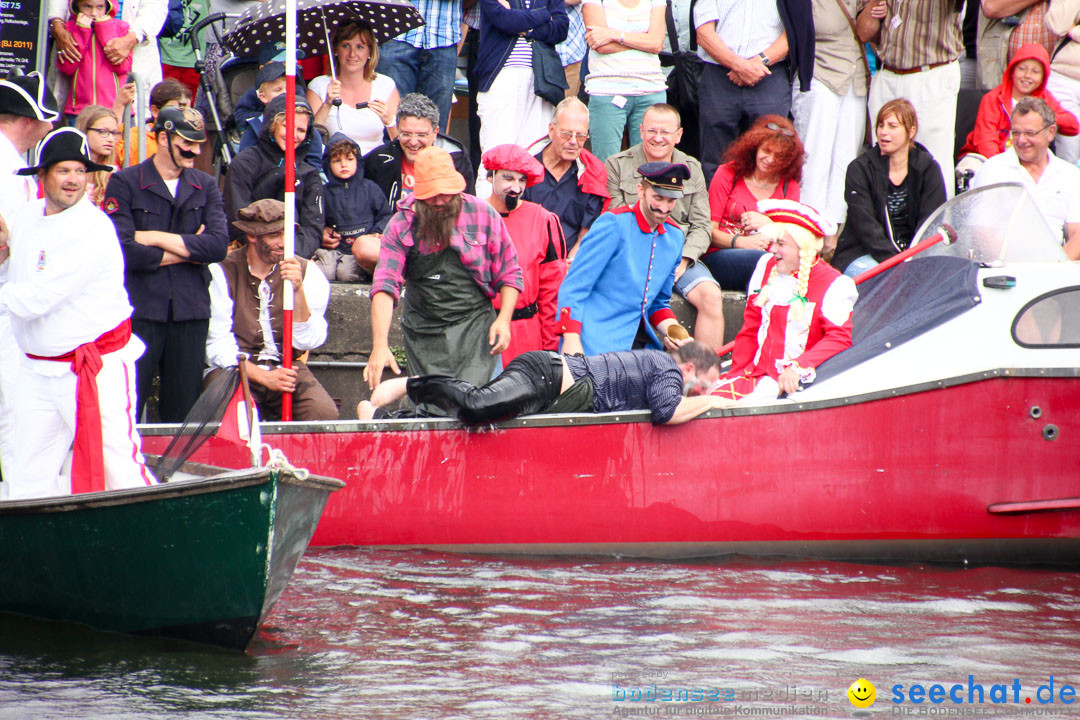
x: 278, y: 461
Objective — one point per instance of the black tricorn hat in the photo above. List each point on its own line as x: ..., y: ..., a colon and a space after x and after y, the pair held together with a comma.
x: 60, y: 145
x: 28, y: 96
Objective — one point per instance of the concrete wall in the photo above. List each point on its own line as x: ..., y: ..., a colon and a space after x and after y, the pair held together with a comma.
x: 339, y: 363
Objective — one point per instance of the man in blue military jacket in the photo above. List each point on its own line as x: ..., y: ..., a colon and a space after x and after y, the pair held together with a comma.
x: 171, y: 222
x: 620, y: 281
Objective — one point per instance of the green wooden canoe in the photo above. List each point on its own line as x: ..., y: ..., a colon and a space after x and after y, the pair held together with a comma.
x: 202, y: 559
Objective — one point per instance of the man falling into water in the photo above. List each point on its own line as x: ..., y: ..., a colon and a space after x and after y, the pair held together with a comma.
x: 454, y: 255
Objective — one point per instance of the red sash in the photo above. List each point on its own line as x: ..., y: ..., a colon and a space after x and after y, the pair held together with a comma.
x: 88, y: 466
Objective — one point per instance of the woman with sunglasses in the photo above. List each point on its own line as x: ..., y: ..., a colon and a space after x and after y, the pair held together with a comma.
x: 890, y: 190
x: 102, y: 130
x: 764, y: 163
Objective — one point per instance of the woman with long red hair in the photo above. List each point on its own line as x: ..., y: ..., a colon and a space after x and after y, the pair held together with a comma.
x: 764, y: 163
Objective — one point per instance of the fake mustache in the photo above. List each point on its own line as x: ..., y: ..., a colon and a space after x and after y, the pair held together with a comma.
x: 187, y: 154
x: 512, y: 199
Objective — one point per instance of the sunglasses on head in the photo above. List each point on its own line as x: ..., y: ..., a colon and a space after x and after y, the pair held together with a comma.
x: 781, y: 130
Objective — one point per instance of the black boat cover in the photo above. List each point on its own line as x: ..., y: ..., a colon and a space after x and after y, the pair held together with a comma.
x: 904, y: 302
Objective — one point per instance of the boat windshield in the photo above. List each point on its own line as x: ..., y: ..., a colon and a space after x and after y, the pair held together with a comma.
x: 995, y: 225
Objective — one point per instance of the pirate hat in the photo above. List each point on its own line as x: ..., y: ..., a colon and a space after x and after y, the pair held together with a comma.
x: 61, y: 145
x: 28, y: 96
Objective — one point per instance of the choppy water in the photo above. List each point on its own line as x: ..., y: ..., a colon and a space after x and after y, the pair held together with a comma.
x: 409, y: 635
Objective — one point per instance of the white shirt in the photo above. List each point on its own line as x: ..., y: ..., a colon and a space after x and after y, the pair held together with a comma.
x: 363, y: 126
x: 1057, y: 194
x: 15, y: 190
x: 747, y: 27
x: 221, y: 347
x: 64, y: 282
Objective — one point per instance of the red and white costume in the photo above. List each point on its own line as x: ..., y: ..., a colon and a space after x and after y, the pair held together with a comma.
x: 784, y: 327
x: 63, y: 289
x: 541, y: 250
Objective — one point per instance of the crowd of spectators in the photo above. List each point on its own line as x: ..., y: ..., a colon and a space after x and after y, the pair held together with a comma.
x: 784, y: 98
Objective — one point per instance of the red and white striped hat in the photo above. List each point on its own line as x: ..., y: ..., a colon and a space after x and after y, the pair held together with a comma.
x: 791, y: 212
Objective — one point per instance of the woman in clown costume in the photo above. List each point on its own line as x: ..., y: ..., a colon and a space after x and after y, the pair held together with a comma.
x: 798, y: 309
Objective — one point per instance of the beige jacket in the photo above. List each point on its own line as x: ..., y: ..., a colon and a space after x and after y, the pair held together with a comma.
x: 1064, y: 17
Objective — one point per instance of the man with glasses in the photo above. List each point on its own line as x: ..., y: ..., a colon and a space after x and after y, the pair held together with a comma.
x: 575, y: 181
x: 661, y: 129
x: 390, y: 166
x: 1054, y: 184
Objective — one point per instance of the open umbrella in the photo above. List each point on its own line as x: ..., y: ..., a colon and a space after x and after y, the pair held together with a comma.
x: 305, y: 24
x: 263, y: 23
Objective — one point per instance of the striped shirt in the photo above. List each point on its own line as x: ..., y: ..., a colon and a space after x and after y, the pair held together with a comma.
x: 521, y: 55
x: 480, y: 238
x: 915, y: 33
x: 747, y: 27
x: 632, y: 380
x: 442, y: 24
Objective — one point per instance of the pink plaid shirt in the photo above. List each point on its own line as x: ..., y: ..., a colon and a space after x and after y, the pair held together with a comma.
x: 480, y: 238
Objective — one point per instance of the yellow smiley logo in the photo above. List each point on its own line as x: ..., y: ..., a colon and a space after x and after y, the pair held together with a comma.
x: 862, y: 693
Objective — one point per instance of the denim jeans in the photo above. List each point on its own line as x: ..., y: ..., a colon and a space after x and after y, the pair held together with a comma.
x: 733, y: 267
x: 860, y: 265
x: 429, y: 72
x: 607, y: 121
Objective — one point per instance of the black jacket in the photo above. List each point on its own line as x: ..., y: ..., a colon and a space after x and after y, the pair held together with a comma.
x: 259, y: 172
x: 383, y: 166
x: 798, y: 19
x: 866, y: 188
x: 354, y: 206
x: 136, y: 198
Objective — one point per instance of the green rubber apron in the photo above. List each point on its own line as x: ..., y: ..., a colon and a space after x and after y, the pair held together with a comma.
x: 446, y: 319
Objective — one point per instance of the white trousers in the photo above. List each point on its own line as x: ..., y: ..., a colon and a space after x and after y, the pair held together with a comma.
x: 511, y: 112
x: 831, y: 127
x: 933, y: 94
x: 1067, y: 92
x: 45, y: 427
x: 10, y: 360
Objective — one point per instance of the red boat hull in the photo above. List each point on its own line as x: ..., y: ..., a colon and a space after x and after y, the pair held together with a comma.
x: 906, y: 477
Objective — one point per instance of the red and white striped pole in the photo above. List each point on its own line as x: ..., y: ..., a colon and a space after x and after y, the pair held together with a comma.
x: 290, y: 193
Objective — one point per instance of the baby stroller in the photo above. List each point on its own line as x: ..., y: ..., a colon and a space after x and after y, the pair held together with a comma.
x: 222, y: 80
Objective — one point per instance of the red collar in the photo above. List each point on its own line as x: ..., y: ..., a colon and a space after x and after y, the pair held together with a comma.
x: 643, y: 224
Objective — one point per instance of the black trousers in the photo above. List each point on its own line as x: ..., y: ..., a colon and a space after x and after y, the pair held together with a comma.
x: 726, y: 110
x: 529, y: 384
x: 175, y: 352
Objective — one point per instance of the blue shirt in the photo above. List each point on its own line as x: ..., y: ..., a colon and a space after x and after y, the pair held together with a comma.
x: 442, y: 24
x: 621, y: 276
x: 632, y: 380
x: 576, y: 209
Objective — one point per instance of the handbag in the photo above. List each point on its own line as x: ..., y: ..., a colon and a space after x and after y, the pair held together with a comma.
x: 683, y: 80
x: 549, y: 78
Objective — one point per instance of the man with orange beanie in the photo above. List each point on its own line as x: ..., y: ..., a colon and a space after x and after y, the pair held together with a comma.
x: 798, y: 310
x: 453, y: 254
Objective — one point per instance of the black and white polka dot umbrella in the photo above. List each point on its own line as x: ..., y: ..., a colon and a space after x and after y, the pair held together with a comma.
x: 264, y: 23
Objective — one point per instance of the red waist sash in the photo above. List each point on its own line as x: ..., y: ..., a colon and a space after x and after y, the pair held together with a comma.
x: 88, y: 465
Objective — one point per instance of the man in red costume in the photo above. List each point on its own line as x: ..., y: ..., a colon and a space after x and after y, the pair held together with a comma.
x: 798, y: 310
x: 538, y: 238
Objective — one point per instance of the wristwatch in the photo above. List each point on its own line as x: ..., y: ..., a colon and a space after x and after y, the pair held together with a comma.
x: 764, y: 59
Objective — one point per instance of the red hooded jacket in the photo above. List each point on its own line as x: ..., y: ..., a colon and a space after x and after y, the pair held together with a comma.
x: 992, y: 124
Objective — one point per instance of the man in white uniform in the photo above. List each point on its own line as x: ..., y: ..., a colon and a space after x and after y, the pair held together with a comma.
x: 27, y: 110
x: 63, y: 288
